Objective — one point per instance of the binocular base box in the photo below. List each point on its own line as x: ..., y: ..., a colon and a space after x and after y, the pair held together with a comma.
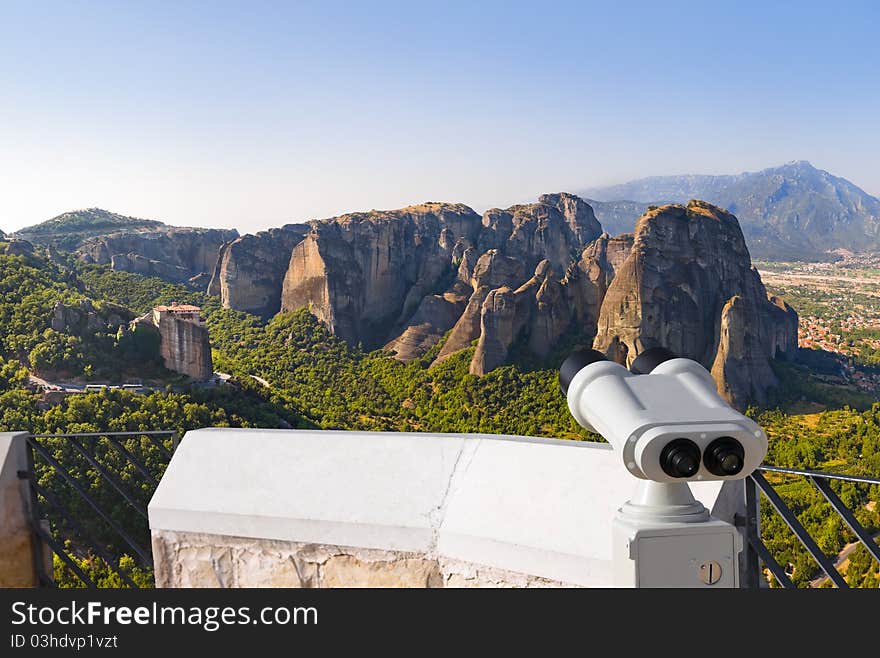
x: 704, y: 554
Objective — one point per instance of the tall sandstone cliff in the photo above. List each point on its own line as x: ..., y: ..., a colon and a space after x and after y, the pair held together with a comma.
x: 364, y: 273
x: 249, y: 270
x: 522, y: 278
x: 184, y: 341
x: 688, y: 285
x: 556, y: 229
x: 403, y: 278
x: 172, y: 253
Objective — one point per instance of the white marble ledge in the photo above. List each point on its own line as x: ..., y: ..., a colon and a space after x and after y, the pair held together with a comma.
x: 535, y: 506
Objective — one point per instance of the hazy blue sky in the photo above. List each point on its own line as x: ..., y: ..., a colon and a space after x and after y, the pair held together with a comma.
x: 253, y: 114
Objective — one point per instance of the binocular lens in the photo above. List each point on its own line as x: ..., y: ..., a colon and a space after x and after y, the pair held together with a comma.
x: 724, y: 456
x: 575, y: 362
x: 645, y: 362
x: 680, y: 458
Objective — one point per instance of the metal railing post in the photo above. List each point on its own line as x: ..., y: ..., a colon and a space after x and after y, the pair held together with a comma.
x: 42, y: 578
x: 750, y: 568
x: 69, y: 523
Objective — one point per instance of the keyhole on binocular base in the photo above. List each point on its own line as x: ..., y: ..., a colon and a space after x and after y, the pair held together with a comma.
x: 710, y: 572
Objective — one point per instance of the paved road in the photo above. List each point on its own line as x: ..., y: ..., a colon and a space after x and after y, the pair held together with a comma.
x: 56, y: 386
x: 841, y: 558
x: 67, y: 387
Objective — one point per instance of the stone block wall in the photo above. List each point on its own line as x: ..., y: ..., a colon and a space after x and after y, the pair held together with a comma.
x: 201, y: 560
x: 16, y: 547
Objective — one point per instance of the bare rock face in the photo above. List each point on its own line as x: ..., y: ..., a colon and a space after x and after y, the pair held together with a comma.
x: 321, y: 277
x: 538, y: 306
x: 586, y: 280
x: 556, y: 229
x: 547, y: 236
x: 741, y: 369
x: 184, y: 341
x: 435, y: 315
x: 84, y: 317
x: 688, y: 285
x: 551, y: 313
x: 364, y: 273
x: 138, y: 264
x: 249, y: 271
x: 499, y: 325
x: 783, y: 328
x: 185, y: 348
x: 493, y: 270
x: 173, y: 253
x: 19, y: 248
x: 214, y: 285
x: 612, y: 252
x: 578, y: 214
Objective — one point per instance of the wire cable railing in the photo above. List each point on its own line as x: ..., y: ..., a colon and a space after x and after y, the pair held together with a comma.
x: 757, y: 552
x: 88, y: 496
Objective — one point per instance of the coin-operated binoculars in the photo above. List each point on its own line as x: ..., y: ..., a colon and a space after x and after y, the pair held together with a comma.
x: 666, y: 421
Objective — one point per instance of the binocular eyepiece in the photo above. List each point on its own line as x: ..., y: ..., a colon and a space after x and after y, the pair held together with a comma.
x: 663, y: 415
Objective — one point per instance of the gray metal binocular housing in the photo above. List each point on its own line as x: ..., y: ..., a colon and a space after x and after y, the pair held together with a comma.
x: 663, y: 417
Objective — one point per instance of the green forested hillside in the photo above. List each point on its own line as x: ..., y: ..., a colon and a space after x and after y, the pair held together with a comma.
x: 338, y: 386
x: 139, y: 293
x: 30, y: 286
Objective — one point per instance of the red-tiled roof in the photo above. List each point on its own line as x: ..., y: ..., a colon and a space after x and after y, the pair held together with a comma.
x: 179, y: 308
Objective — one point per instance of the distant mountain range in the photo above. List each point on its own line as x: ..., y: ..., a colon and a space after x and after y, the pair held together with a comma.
x: 791, y: 212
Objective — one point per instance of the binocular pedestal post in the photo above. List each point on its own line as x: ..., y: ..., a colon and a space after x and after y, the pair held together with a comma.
x: 664, y: 537
x: 664, y: 502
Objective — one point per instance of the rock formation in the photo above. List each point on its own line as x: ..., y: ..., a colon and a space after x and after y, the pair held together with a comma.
x: 500, y: 322
x: 586, y: 280
x: 184, y: 342
x: 18, y: 248
x: 492, y: 271
x: 176, y: 254
x: 556, y: 229
x: 522, y: 279
x: 551, y: 314
x: 137, y: 264
x: 405, y: 277
x: 84, y: 317
x: 688, y: 285
x: 542, y: 309
x: 435, y: 315
x: 361, y: 273
x: 249, y: 271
